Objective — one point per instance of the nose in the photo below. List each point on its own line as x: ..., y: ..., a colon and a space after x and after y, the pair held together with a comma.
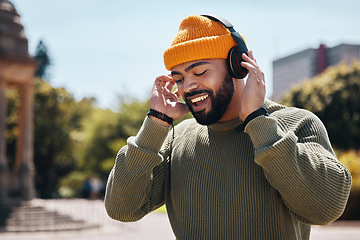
x: 190, y: 84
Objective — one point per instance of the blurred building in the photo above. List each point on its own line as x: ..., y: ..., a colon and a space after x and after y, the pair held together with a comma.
x: 306, y: 64
x: 17, y: 69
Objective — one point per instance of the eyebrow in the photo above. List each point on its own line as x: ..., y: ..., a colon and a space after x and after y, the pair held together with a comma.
x: 189, y: 67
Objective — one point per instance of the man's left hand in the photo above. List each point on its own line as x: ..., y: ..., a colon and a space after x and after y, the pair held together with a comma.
x: 253, y: 95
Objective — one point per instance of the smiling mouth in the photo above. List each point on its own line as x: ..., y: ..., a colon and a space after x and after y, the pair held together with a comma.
x: 199, y: 99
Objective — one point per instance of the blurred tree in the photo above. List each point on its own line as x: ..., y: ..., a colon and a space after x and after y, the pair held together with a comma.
x: 99, y: 139
x: 57, y: 114
x: 57, y: 117
x: 334, y: 96
x: 106, y: 132
x: 43, y: 60
x: 99, y: 130
x: 12, y: 118
x: 351, y: 159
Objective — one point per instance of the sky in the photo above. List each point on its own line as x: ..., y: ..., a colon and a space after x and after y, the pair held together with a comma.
x: 111, y: 49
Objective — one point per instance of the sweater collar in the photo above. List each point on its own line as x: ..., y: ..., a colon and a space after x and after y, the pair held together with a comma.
x: 225, y: 126
x: 232, y: 124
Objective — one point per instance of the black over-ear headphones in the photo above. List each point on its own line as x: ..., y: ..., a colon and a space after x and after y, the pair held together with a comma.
x: 234, y: 58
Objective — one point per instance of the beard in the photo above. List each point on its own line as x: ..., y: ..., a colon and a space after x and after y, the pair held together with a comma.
x: 219, y: 102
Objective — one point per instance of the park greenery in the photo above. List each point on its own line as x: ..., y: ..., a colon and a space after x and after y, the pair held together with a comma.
x: 75, y: 140
x: 334, y: 96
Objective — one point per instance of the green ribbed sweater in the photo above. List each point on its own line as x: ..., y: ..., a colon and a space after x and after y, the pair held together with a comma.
x: 271, y: 181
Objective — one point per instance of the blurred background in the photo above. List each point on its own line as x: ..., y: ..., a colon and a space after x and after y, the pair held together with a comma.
x: 97, y: 61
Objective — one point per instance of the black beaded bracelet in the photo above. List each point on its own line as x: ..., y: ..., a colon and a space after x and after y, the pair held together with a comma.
x: 160, y: 115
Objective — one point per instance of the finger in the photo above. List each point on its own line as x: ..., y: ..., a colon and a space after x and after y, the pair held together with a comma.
x: 170, y: 85
x: 177, y: 93
x: 249, y: 58
x: 262, y: 77
x: 249, y: 66
x: 162, y: 80
x: 254, y: 72
x: 167, y: 78
x: 250, y: 63
x: 250, y: 53
x: 159, y: 82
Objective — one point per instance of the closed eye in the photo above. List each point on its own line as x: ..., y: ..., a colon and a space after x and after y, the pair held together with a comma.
x: 179, y: 81
x: 199, y: 74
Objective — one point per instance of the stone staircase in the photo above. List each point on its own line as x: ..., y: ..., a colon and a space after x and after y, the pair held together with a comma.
x: 25, y: 217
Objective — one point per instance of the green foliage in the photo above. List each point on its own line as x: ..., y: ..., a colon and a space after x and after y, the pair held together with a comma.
x: 57, y: 114
x: 100, y: 137
x: 71, y: 185
x: 131, y: 116
x: 105, y: 133
x: 351, y: 159
x: 99, y: 129
x: 334, y: 97
x: 12, y: 130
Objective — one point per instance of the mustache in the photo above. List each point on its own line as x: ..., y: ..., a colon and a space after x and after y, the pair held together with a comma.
x: 197, y: 92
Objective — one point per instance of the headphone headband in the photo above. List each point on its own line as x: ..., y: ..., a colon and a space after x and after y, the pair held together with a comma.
x: 234, y: 57
x: 223, y: 21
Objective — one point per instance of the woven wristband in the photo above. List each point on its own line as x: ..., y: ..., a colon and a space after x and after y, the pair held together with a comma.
x: 161, y: 116
x: 260, y: 112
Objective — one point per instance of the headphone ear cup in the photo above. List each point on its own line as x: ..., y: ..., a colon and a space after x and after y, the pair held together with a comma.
x: 234, y: 60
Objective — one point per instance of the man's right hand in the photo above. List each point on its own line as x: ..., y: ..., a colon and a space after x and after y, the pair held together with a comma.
x: 164, y: 100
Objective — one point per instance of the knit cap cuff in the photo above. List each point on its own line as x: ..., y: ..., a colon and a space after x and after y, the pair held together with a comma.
x: 202, y: 48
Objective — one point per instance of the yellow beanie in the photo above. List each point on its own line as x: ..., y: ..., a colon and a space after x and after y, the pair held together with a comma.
x: 198, y: 38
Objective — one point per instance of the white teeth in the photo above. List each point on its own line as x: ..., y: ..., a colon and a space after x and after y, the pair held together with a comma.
x: 198, y: 99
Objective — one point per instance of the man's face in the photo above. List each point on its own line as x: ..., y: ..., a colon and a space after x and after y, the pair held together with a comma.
x: 206, y: 87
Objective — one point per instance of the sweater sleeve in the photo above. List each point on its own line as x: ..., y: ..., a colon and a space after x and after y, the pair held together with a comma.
x: 298, y: 160
x: 135, y: 185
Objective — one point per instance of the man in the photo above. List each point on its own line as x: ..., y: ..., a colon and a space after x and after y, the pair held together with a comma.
x: 245, y: 168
